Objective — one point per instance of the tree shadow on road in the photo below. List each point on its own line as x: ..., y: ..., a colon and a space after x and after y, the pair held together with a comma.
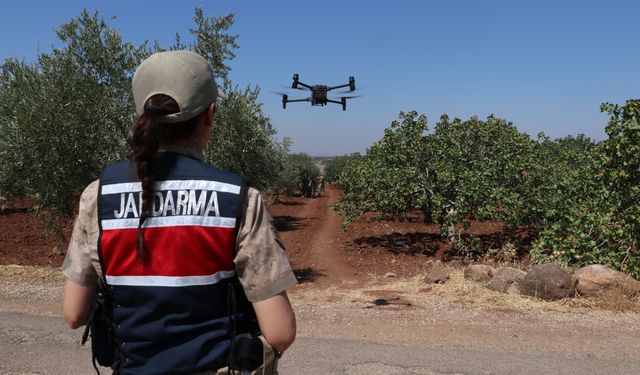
x: 402, y: 243
x: 286, y: 223
x: 432, y: 244
x: 290, y: 203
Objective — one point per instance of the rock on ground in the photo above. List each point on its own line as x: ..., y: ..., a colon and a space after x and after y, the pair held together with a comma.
x: 548, y: 282
x: 438, y: 274
x: 593, y: 280
x: 507, y: 280
x: 479, y: 272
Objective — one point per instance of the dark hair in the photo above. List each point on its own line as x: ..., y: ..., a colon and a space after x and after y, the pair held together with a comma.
x: 148, y: 134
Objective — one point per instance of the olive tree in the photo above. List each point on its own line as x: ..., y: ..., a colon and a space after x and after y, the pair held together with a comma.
x: 67, y: 114
x: 299, y: 169
x: 243, y: 140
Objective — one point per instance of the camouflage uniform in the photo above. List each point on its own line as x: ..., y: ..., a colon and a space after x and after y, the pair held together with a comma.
x: 260, y: 261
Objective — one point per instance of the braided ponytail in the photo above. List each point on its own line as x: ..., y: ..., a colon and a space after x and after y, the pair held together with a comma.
x: 148, y: 134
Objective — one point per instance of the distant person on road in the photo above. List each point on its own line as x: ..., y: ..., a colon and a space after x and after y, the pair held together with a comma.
x: 179, y: 244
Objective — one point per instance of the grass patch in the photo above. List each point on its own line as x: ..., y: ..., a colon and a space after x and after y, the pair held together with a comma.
x: 618, y: 298
x: 49, y: 273
x: 461, y: 292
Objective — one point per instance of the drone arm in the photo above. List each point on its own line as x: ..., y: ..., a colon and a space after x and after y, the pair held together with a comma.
x: 298, y: 100
x: 342, y: 102
x: 305, y: 85
x: 337, y: 87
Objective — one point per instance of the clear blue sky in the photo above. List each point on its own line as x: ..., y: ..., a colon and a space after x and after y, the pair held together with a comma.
x: 544, y: 65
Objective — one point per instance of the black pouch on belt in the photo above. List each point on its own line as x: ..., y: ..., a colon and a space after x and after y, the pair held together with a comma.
x: 247, y: 351
x: 100, y: 326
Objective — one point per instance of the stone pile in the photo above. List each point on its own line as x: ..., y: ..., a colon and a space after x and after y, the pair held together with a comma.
x: 545, y: 281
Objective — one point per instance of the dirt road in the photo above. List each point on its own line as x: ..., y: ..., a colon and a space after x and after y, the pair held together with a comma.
x: 315, y: 245
x: 349, y: 338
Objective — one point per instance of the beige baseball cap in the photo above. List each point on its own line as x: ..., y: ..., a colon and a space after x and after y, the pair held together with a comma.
x: 184, y: 76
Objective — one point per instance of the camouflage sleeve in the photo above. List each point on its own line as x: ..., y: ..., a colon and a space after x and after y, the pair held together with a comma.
x: 261, y: 264
x: 81, y: 264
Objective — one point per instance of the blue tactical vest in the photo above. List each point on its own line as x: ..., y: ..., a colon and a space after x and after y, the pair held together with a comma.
x: 171, y: 311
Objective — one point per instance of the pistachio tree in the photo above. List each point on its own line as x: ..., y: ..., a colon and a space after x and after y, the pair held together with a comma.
x: 603, y: 226
x: 334, y: 166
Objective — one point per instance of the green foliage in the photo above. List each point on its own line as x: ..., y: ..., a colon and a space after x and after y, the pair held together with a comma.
x: 66, y: 115
x: 391, y: 179
x: 298, y: 169
x: 568, y: 169
x: 213, y: 41
x: 334, y: 166
x: 603, y: 225
x: 586, y: 237
x: 16, y: 77
x: 464, y: 170
x: 621, y: 151
x: 583, y: 195
x: 480, y: 170
x: 243, y: 141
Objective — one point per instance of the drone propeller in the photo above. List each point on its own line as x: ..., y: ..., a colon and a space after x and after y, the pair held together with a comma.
x: 301, y: 88
x: 351, y: 97
x: 279, y: 93
x: 347, y: 91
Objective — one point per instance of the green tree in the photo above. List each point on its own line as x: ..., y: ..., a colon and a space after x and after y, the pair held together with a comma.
x: 392, y: 177
x: 464, y: 170
x: 67, y: 114
x: 603, y: 226
x: 243, y: 140
x: 70, y: 112
x: 299, y: 169
x: 336, y: 165
x: 213, y: 41
x: 621, y: 151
